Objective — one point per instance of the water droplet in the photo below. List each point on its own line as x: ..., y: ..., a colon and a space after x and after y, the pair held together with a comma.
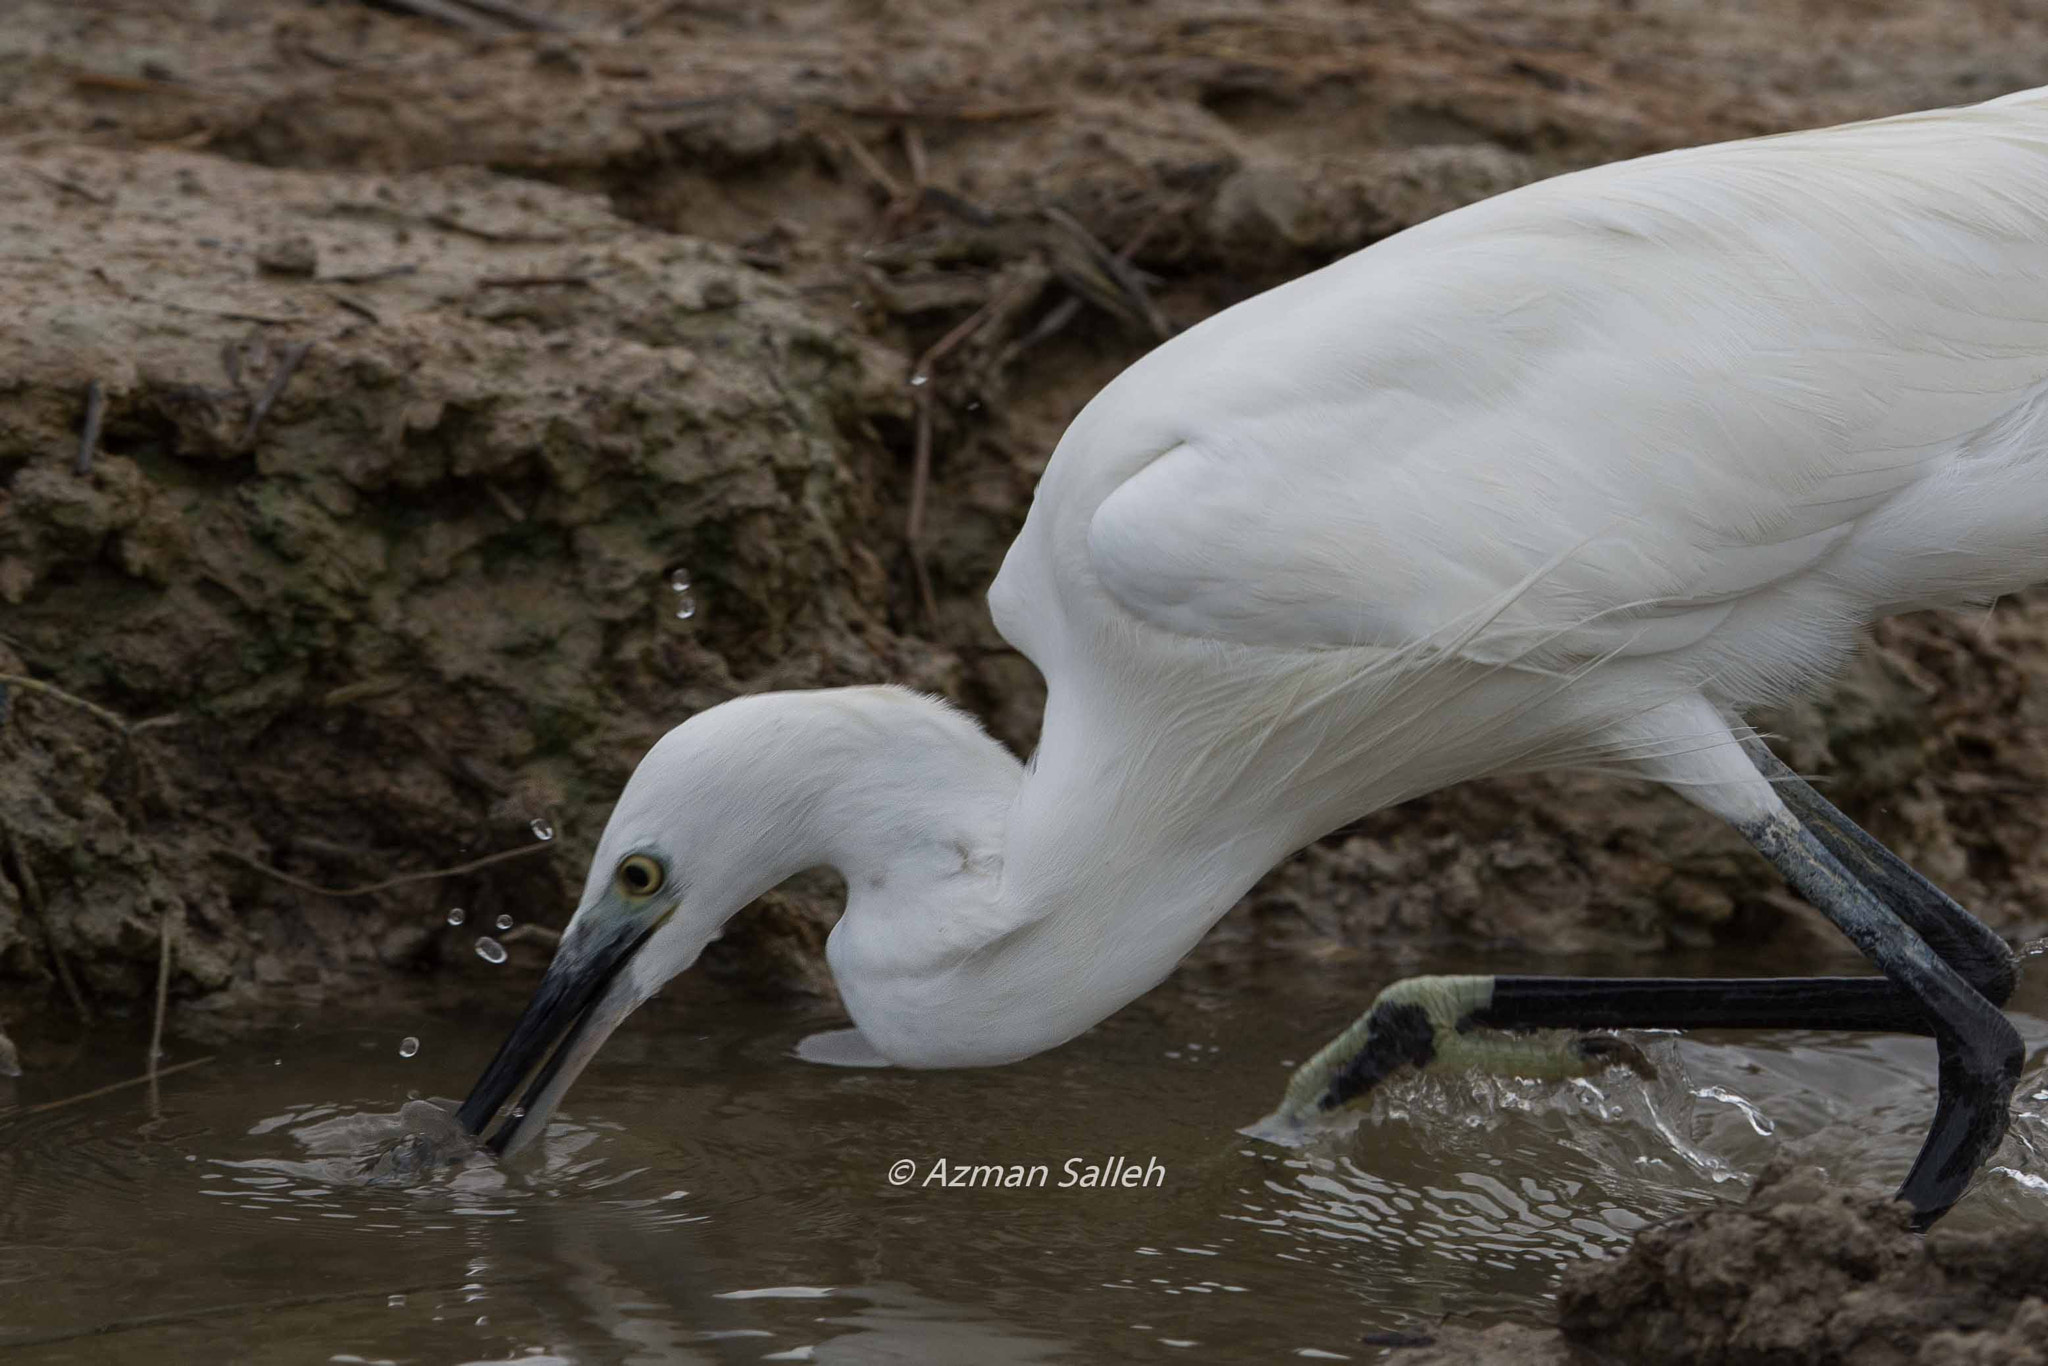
x: 504, y: 922
x: 685, y: 608
x: 457, y: 916
x: 679, y: 581
x: 542, y: 828
x: 2034, y: 948
x: 519, y: 1112
x: 489, y: 949
x: 408, y: 1046
x: 395, y: 1301
x: 919, y: 380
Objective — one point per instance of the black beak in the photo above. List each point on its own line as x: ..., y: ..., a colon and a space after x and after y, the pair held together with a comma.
x: 558, y: 1018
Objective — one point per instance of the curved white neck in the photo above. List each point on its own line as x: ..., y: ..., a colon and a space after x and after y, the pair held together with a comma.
x: 993, y: 913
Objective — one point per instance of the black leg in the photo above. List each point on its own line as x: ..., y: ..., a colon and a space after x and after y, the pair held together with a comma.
x: 1978, y: 1048
x: 1964, y: 942
x: 1945, y: 972
x: 1428, y: 1023
x: 1867, y: 1003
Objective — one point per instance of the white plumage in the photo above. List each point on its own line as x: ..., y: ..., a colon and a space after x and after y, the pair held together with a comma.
x: 1569, y: 476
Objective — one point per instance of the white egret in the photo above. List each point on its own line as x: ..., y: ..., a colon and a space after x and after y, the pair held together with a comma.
x: 1569, y: 477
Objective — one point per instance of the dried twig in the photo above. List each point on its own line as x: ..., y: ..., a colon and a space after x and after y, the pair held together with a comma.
x: 504, y: 501
x: 359, y: 308
x: 163, y: 993
x: 370, y: 277
x: 449, y: 13
x: 517, y: 15
x: 950, y: 113
x: 89, y: 435
x: 114, y: 719
x: 921, y: 449
x: 138, y: 85
x: 664, y: 10
x: 1115, y: 267
x: 32, y: 892
x: 107, y: 1090
x: 71, y: 187
x: 865, y: 159
x: 399, y: 881
x: 1067, y: 309
x: 530, y: 281
x: 913, y: 521
x: 913, y: 152
x: 287, y: 362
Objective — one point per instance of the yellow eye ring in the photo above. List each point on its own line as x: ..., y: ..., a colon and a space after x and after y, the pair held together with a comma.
x: 639, y: 877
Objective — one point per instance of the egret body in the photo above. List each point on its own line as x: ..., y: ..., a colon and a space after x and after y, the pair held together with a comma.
x: 1569, y: 477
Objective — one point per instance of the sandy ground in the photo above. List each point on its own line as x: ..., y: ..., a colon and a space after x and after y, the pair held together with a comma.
x: 420, y: 356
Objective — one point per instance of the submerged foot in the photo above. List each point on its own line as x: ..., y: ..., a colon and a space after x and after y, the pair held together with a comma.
x: 1425, y: 1024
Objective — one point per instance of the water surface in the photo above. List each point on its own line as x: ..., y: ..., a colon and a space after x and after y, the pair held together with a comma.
x: 705, y: 1196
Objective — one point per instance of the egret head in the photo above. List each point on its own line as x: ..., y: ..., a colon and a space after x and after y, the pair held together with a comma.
x: 695, y: 836
x: 735, y: 800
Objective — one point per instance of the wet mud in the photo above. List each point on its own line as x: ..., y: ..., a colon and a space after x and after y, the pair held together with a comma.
x: 1803, y: 1274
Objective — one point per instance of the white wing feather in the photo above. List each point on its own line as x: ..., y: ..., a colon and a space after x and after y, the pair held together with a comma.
x: 1623, y: 400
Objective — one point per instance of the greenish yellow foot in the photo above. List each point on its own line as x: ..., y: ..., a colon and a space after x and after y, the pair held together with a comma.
x: 1435, y: 1024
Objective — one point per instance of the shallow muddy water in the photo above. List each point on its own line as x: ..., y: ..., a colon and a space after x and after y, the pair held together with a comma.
x: 705, y: 1196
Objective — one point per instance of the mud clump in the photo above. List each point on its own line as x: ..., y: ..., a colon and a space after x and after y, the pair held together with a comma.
x: 1802, y: 1274
x: 364, y: 381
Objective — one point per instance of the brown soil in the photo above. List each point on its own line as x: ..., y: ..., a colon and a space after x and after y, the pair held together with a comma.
x: 427, y: 354
x: 1801, y: 1275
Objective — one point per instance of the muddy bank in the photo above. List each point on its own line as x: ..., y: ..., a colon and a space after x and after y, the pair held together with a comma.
x: 1803, y: 1274
x: 425, y: 357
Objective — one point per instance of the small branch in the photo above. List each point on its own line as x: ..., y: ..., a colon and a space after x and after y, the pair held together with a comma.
x: 945, y: 345
x: 273, y: 389
x: 114, y: 719
x: 865, y: 159
x: 401, y: 880
x: 957, y: 113
x: 99, y: 1091
x: 32, y: 891
x: 1067, y: 309
x: 518, y: 16
x: 369, y: 277
x: 531, y: 281
x: 163, y: 993
x: 921, y: 452
x: 89, y: 436
x: 1115, y: 268
x: 504, y: 502
x: 913, y: 152
x: 449, y: 13
x: 913, y: 521
x: 71, y: 187
x: 139, y: 85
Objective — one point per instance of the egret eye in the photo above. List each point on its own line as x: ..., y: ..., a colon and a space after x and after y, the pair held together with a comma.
x: 640, y: 876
